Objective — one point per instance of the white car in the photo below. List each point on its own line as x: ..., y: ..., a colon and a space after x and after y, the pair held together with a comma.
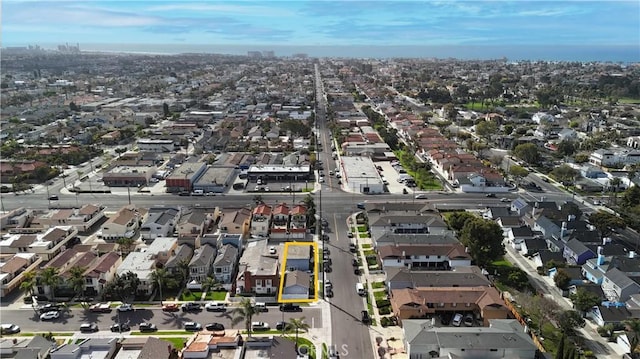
x: 328, y: 285
x: 504, y: 199
x: 125, y: 307
x: 421, y: 196
x: 259, y: 326
x: 215, y: 307
x: 50, y: 315
x: 321, y: 180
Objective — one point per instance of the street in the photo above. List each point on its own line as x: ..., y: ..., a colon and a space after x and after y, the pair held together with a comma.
x: 29, y: 320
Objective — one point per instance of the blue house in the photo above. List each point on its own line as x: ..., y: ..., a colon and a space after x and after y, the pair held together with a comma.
x: 575, y: 252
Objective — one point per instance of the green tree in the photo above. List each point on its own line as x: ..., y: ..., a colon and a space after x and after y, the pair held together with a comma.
x: 569, y: 320
x: 486, y: 129
x: 51, y: 278
x: 244, y: 312
x: 584, y: 300
x: 562, y: 279
x: 518, y: 172
x: 566, y: 148
x: 631, y: 197
x: 77, y: 279
x: 456, y: 220
x: 560, y: 348
x: 614, y: 186
x: 527, y: 152
x: 564, y: 174
x: 29, y: 281
x: 126, y: 244
x: 633, y: 326
x: 484, y: 240
x: 162, y: 280
x: 298, y: 324
x: 209, y: 283
x: 124, y: 287
x: 606, y: 222
x: 182, y: 273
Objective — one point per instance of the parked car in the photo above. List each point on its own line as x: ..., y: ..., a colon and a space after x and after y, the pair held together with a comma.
x: 259, y: 326
x: 360, y: 205
x: 261, y: 307
x: 457, y: 320
x: 120, y: 327
x: 171, y: 307
x: 214, y: 327
x: 352, y: 248
x: 49, y: 307
x: 421, y: 196
x: 468, y: 320
x: 100, y: 308
x: 328, y: 285
x: 364, y: 316
x: 281, y: 325
x: 88, y: 328
x: 290, y: 307
x: 192, y: 326
x: 125, y: 307
x: 357, y: 271
x: 191, y: 307
x: 53, y: 198
x: 215, y: 307
x: 147, y: 327
x: 445, y: 318
x: 50, y: 315
x: 9, y: 329
x: 328, y: 293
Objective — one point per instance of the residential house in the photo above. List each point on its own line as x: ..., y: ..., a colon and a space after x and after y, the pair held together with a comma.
x: 575, y: 252
x: 503, y: 338
x: 618, y: 286
x: 430, y: 256
x: 180, y: 259
x: 423, y: 302
x: 521, y: 207
x: 45, y: 244
x: 544, y: 257
x: 424, y: 239
x: 595, y: 268
x: 143, y: 263
x: 226, y: 344
x: 146, y: 348
x: 402, y: 277
x: 296, y: 285
x: 16, y: 347
x: 17, y: 218
x: 160, y: 222
x: 201, y: 263
x: 258, y: 272
x: 299, y: 257
x: 225, y: 263
x: 298, y: 222
x: 98, y: 348
x: 123, y: 224
x: 13, y: 268
x: 83, y: 218
x: 407, y: 224
x: 236, y: 222
x: 261, y: 221
x: 516, y: 236
x: 101, y: 272
x: 615, y: 315
x: 193, y: 224
x: 531, y: 246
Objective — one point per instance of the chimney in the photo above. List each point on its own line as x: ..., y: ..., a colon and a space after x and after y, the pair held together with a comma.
x: 600, y: 256
x: 632, y: 254
x: 563, y: 229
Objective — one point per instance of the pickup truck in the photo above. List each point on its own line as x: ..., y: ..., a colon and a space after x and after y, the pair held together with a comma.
x: 100, y: 308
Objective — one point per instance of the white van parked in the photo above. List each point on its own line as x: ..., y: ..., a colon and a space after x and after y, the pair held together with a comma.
x: 360, y: 289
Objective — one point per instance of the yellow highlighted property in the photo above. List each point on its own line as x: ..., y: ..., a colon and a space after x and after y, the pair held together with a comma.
x: 295, y: 281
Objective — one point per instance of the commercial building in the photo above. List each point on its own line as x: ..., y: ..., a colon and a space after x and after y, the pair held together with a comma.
x: 215, y: 179
x: 279, y: 173
x: 360, y: 175
x: 128, y: 176
x: 183, y: 177
x: 156, y: 145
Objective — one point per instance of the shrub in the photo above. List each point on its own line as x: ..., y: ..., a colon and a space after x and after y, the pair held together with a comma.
x: 384, y: 310
x: 383, y: 303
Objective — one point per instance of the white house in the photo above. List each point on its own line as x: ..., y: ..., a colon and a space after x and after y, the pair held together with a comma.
x: 160, y: 222
x: 124, y: 223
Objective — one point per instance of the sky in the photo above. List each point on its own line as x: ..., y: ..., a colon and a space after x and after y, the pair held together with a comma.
x: 323, y: 23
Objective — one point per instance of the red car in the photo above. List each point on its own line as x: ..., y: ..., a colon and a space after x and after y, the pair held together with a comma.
x: 170, y: 308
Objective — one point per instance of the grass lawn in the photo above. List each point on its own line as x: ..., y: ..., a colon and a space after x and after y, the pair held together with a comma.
x: 190, y: 296
x: 220, y: 295
x: 363, y: 235
x: 178, y: 342
x: 377, y: 285
x: 369, y: 252
x: 366, y: 246
x: 362, y: 228
x: 502, y: 263
x: 429, y: 184
x: 628, y: 100
x: 165, y: 332
x: 305, y: 343
x: 379, y: 295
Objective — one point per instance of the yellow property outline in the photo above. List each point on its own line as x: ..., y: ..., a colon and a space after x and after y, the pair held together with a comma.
x: 284, y: 270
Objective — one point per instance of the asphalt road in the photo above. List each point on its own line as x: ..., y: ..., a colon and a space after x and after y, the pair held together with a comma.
x: 29, y: 321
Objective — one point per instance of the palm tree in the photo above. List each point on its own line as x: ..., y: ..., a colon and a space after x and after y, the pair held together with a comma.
x: 51, y: 278
x: 182, y: 272
x: 28, y: 282
x: 126, y: 244
x: 633, y: 326
x: 161, y: 279
x: 614, y: 185
x: 298, y: 324
x: 209, y: 283
x: 77, y: 279
x: 245, y: 311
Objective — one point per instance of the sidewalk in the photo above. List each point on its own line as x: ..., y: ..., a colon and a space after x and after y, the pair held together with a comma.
x: 380, y: 336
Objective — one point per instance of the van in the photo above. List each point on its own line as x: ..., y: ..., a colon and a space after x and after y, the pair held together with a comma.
x: 457, y: 320
x: 261, y: 306
x: 360, y: 289
x: 198, y: 192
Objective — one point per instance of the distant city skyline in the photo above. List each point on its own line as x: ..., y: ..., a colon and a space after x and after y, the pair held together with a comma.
x: 544, y: 29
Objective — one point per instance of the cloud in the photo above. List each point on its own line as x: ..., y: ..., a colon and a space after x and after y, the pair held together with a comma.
x: 226, y: 9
